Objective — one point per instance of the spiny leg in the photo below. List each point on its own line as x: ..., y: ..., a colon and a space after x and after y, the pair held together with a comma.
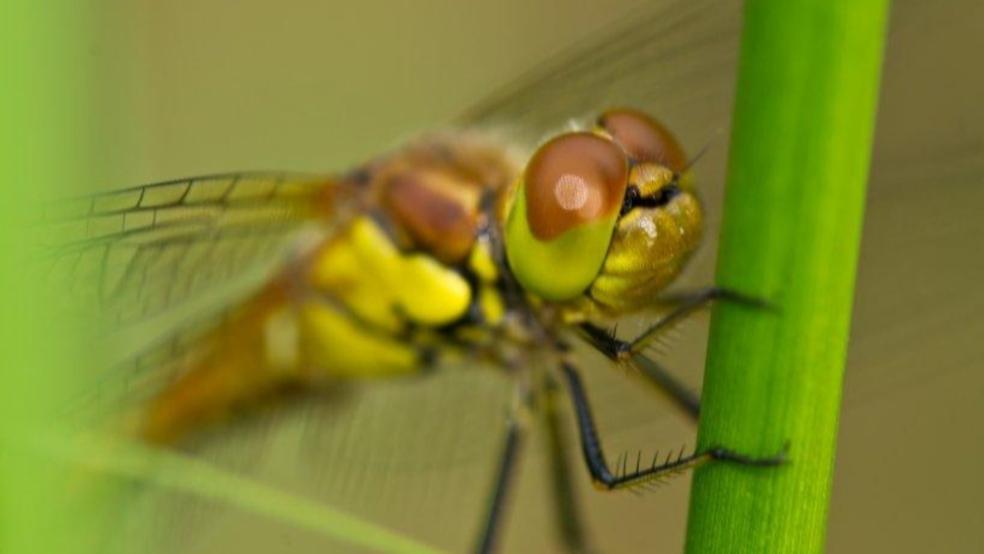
x: 566, y: 510
x: 627, y: 476
x: 508, y: 458
x: 617, y: 350
x: 632, y: 352
x: 685, y: 305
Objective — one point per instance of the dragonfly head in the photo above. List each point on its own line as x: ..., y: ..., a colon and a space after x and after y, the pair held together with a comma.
x: 607, y: 214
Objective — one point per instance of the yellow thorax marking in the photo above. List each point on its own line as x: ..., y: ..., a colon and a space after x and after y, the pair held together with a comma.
x: 480, y: 261
x: 339, y: 346
x: 366, y: 271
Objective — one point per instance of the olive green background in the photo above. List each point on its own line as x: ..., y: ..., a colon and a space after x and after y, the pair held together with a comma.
x: 184, y: 88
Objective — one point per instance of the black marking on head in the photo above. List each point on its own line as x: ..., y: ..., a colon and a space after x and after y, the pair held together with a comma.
x: 633, y: 199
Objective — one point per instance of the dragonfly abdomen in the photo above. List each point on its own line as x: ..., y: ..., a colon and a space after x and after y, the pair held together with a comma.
x: 234, y: 367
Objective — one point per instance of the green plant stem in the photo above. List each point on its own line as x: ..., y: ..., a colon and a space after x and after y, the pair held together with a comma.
x: 804, y: 117
x: 43, y: 102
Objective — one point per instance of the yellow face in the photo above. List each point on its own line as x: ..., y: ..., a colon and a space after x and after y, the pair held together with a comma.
x: 607, y: 217
x: 651, y: 242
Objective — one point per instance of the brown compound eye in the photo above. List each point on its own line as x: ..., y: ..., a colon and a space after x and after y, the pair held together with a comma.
x: 643, y: 138
x: 574, y: 179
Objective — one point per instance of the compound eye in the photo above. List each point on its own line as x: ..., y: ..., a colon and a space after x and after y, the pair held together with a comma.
x: 561, y: 222
x: 643, y: 138
x: 575, y: 179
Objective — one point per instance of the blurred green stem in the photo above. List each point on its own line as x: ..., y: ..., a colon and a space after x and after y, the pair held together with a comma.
x: 43, y: 107
x: 804, y: 117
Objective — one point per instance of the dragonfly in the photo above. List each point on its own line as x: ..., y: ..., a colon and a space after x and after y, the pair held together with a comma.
x: 454, y: 249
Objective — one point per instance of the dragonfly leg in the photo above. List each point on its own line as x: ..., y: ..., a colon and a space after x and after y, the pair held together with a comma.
x: 633, y: 352
x: 508, y: 458
x: 686, y: 304
x: 568, y: 515
x: 628, y: 476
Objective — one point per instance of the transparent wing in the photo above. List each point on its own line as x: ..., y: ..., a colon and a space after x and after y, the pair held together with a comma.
x: 133, y: 253
x: 126, y: 384
x: 669, y: 58
x: 372, y: 450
